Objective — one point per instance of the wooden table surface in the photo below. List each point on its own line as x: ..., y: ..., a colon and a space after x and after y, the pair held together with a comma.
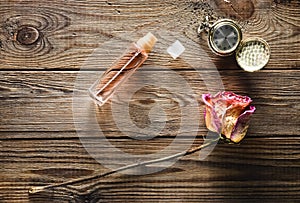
x: 43, y: 45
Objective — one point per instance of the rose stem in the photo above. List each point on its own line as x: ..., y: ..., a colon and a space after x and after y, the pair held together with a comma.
x: 38, y: 189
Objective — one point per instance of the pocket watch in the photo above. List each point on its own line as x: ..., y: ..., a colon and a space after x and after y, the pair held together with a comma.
x: 225, y: 39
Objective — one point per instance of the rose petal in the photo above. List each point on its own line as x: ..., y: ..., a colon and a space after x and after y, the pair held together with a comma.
x: 212, y: 120
x: 241, y: 126
x: 229, y: 121
x: 219, y: 105
x: 235, y: 106
x: 236, y: 100
x: 213, y: 123
x: 207, y: 99
x: 230, y: 118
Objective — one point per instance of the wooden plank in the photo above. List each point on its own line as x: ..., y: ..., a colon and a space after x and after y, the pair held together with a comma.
x: 260, y: 165
x: 70, y: 32
x: 42, y: 101
x: 39, y: 144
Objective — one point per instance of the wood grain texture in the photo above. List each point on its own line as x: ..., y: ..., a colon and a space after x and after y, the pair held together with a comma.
x: 38, y: 139
x: 50, y: 161
x: 52, y: 146
x: 70, y: 31
x: 42, y: 101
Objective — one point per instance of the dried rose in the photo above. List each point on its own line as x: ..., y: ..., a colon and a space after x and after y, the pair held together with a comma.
x: 228, y: 114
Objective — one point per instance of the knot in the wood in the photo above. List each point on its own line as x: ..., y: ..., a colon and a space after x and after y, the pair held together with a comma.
x: 240, y: 9
x: 27, y: 35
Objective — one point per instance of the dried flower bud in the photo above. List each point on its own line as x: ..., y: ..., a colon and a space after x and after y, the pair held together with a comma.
x: 228, y: 114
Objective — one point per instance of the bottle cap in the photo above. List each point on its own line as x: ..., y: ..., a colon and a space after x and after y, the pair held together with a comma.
x: 147, y: 42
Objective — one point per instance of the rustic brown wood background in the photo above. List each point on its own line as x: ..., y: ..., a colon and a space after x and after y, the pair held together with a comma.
x: 39, y: 144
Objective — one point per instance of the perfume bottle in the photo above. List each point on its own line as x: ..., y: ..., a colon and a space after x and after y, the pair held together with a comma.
x: 104, y: 88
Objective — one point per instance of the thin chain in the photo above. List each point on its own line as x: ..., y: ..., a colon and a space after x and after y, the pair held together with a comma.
x: 209, y: 18
x: 207, y: 23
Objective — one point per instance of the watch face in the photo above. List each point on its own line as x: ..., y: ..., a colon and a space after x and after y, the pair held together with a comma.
x: 225, y: 37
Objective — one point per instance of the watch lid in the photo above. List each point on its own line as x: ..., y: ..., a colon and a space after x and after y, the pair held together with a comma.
x: 253, y: 54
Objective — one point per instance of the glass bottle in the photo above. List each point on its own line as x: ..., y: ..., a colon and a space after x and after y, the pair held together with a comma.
x: 104, y: 88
